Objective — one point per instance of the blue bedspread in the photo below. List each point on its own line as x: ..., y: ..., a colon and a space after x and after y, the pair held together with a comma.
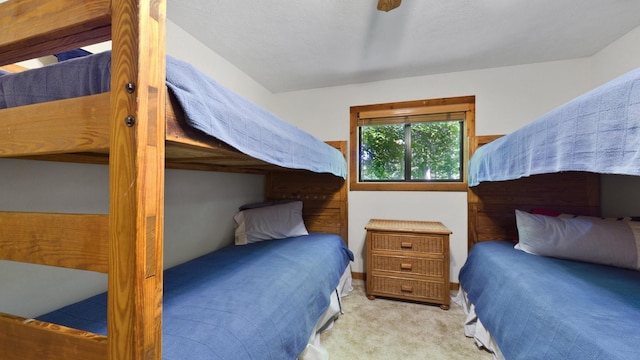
x: 257, y: 301
x: 208, y: 107
x: 596, y: 132
x: 543, y: 308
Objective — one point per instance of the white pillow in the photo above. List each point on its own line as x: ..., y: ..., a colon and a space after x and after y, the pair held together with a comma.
x: 269, y: 222
x: 583, y: 238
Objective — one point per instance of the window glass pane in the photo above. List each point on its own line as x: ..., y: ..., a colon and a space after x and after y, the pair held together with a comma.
x: 382, y: 152
x: 436, y: 150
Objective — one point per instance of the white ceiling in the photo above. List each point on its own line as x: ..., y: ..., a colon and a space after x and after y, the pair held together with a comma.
x: 289, y: 45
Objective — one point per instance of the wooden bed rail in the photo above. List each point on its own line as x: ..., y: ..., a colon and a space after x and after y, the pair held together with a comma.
x: 74, y: 241
x: 22, y: 338
x: 34, y: 28
x: 136, y: 138
x: 128, y: 123
x: 86, y: 128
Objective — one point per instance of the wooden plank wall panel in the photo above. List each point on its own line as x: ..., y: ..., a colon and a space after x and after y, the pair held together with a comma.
x: 491, y: 205
x: 34, y: 28
x: 324, y: 196
x: 28, y: 339
x: 322, y: 219
x: 66, y: 240
x: 568, y: 189
x: 323, y: 202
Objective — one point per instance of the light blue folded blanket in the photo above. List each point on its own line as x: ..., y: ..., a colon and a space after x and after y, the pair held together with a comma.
x: 596, y: 132
x: 207, y: 105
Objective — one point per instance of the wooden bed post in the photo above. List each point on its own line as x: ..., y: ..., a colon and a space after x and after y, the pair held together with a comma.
x: 136, y: 180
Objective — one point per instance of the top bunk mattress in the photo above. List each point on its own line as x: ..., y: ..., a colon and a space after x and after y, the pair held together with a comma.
x: 597, y: 132
x: 207, y: 106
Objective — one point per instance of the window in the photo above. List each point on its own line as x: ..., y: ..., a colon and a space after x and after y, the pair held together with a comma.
x: 414, y: 145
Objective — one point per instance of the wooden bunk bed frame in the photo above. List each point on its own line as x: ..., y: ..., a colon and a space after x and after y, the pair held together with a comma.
x: 491, y: 205
x: 134, y: 129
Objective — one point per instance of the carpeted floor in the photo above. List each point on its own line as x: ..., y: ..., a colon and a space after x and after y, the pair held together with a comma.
x: 389, y: 330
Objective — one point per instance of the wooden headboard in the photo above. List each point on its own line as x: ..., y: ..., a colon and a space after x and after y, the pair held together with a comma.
x: 324, y: 196
x: 491, y: 205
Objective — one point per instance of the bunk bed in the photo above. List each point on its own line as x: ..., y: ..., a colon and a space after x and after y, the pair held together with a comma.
x: 139, y: 128
x: 570, y: 287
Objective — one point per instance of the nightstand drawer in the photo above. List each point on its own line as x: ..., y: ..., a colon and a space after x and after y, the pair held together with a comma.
x: 409, y: 288
x: 407, y: 243
x: 408, y: 265
x: 408, y: 260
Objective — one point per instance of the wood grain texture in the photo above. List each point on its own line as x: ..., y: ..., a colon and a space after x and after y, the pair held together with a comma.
x: 71, y: 125
x: 77, y: 130
x: 388, y: 5
x: 34, y: 28
x: 324, y: 196
x: 75, y: 241
x: 93, y: 130
x: 136, y: 181
x: 491, y: 205
x: 29, y: 339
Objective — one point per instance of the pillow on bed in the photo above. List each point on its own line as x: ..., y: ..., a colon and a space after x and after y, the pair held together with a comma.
x: 602, y: 241
x: 269, y: 222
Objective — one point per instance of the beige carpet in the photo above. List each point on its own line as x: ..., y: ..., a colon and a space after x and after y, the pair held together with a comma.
x: 389, y: 330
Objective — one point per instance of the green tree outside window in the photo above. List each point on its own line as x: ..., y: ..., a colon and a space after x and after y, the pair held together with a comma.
x: 416, y: 145
x: 414, y: 151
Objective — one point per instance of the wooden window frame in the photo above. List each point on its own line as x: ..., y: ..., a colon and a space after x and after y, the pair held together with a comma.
x: 411, y: 108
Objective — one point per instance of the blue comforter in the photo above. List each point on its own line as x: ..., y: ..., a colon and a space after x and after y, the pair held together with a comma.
x: 538, y: 307
x: 207, y: 105
x: 257, y: 301
x: 596, y: 132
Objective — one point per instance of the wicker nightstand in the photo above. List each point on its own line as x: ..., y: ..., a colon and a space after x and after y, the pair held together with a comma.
x: 408, y: 260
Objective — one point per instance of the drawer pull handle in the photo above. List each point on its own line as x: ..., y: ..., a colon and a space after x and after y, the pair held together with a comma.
x: 406, y: 266
x: 406, y: 245
x: 406, y: 288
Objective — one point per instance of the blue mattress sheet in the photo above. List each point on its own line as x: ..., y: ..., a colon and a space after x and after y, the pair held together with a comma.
x: 539, y: 307
x: 596, y: 132
x: 257, y: 301
x: 207, y: 105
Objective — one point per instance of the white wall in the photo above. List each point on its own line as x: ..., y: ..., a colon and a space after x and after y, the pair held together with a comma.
x: 183, y: 46
x: 620, y: 194
x: 618, y: 58
x: 506, y: 99
x: 199, y: 206
x: 198, y: 219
